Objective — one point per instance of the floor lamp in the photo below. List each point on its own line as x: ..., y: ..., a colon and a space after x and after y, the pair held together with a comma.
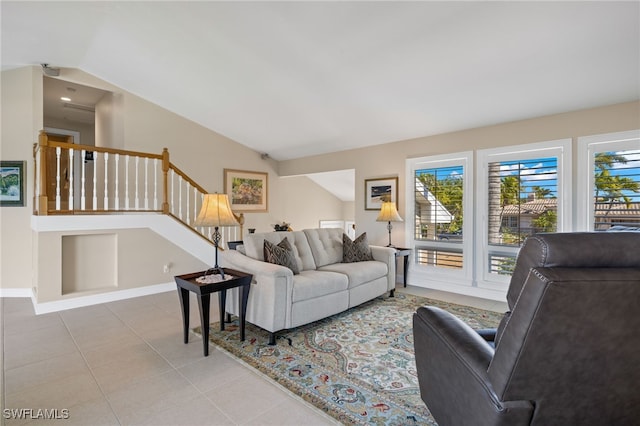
x: 389, y: 213
x: 216, y: 212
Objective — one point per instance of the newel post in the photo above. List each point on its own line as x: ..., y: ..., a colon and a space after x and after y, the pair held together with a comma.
x: 42, y: 203
x: 165, y: 181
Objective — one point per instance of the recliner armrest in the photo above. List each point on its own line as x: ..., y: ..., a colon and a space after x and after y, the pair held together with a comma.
x: 452, y: 361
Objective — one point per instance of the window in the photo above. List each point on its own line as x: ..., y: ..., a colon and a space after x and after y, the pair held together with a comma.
x: 524, y: 190
x: 441, y: 193
x: 522, y: 199
x: 611, y: 171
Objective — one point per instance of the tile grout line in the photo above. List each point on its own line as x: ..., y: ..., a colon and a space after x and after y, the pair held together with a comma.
x: 104, y: 395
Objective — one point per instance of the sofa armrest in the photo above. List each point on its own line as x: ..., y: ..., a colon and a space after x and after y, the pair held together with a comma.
x: 452, y: 361
x: 269, y: 304
x: 388, y: 256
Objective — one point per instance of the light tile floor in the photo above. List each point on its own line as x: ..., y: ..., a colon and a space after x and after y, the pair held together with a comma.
x: 124, y: 363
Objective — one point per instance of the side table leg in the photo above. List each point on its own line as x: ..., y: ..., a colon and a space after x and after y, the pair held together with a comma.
x: 183, y: 294
x: 244, y: 291
x: 406, y: 269
x: 222, y: 303
x: 204, y: 302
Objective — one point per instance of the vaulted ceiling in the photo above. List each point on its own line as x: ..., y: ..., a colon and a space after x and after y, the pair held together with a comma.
x: 293, y: 79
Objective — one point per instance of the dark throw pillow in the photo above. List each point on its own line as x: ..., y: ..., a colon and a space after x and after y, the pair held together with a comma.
x: 355, y: 251
x: 281, y: 254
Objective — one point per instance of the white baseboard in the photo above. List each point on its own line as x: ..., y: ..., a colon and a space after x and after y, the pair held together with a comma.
x: 15, y: 292
x: 94, y: 299
x: 499, y: 296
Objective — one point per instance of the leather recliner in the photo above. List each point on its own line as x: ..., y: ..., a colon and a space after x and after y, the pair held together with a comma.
x: 566, y: 353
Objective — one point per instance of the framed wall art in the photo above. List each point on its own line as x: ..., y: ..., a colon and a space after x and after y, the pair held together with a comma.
x: 377, y: 190
x: 247, y: 191
x: 12, y: 183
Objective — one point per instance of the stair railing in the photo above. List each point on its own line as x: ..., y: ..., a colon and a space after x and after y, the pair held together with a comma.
x: 72, y: 179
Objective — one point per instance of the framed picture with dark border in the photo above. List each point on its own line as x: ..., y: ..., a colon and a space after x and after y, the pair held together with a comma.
x: 377, y: 190
x: 247, y: 191
x: 12, y: 183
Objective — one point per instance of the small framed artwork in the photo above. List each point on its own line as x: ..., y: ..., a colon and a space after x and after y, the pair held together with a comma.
x: 12, y: 183
x: 378, y: 190
x: 247, y: 191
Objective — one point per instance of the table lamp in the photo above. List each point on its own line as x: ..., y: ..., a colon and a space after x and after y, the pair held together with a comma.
x: 388, y: 213
x: 216, y: 212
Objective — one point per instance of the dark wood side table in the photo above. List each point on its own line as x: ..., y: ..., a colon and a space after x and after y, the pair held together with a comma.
x: 405, y: 253
x: 187, y: 283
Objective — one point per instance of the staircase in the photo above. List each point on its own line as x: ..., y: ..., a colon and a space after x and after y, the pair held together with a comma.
x: 82, y: 180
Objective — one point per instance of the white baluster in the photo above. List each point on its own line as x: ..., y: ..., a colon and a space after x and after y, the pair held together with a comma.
x: 180, y: 196
x: 58, y: 152
x: 83, y: 199
x: 116, y: 196
x: 155, y: 184
x: 106, y: 181
x: 95, y: 180
x: 195, y: 203
x: 187, y: 206
x: 146, y: 183
x: 137, y: 203
x: 70, y: 206
x: 126, y: 182
x: 173, y: 177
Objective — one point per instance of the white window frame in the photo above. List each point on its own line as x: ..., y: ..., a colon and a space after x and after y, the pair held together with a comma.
x: 588, y: 146
x: 434, y: 277
x: 561, y: 149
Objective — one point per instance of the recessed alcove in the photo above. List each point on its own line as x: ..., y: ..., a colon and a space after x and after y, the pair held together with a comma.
x: 82, y: 270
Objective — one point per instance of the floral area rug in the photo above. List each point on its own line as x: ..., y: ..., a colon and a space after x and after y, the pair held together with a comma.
x: 357, y: 366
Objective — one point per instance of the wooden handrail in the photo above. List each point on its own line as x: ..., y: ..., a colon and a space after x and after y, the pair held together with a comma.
x: 170, y: 205
x: 79, y: 147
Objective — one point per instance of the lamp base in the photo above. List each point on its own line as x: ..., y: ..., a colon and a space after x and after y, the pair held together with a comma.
x: 215, y: 270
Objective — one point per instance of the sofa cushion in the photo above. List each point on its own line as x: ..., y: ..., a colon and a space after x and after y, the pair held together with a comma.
x: 281, y: 254
x: 359, y: 272
x: 254, y: 246
x: 312, y: 284
x: 357, y: 250
x: 326, y: 245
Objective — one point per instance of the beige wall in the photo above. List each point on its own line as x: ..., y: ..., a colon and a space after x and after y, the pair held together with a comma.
x: 389, y: 159
x: 121, y: 259
x: 21, y: 115
x: 133, y: 124
x: 204, y: 154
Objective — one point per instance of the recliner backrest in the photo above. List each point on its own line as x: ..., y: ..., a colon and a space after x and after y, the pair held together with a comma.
x: 571, y: 343
x: 573, y: 250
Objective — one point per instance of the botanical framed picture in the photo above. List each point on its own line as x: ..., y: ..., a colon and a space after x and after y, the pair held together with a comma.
x: 378, y: 190
x: 12, y: 183
x: 247, y: 191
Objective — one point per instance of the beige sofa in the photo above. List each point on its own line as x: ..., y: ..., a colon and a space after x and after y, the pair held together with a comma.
x: 325, y: 286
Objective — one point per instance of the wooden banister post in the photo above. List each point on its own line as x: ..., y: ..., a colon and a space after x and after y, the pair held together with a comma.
x: 165, y: 181
x: 42, y: 203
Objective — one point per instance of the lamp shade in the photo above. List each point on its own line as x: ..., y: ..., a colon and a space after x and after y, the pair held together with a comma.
x: 388, y: 212
x: 215, y: 211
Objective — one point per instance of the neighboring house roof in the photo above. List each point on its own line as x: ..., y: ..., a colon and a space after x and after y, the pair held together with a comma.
x: 437, y: 213
x: 619, y: 209
x: 534, y: 207
x: 537, y: 207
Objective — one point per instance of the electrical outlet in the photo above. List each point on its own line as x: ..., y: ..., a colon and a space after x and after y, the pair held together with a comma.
x: 166, y: 268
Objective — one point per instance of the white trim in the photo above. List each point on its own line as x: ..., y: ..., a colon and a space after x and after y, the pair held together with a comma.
x: 587, y: 148
x: 94, y: 299
x: 561, y: 149
x: 15, y: 292
x: 499, y: 295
